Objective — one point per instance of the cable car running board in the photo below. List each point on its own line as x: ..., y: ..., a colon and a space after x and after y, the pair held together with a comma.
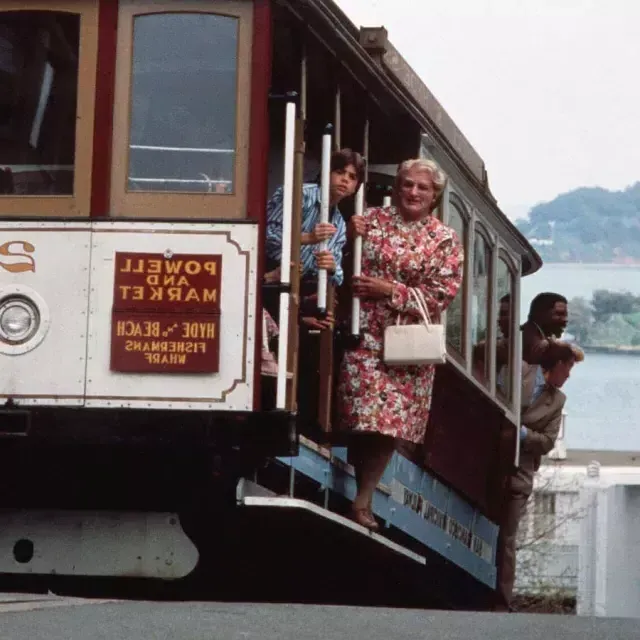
x: 281, y: 502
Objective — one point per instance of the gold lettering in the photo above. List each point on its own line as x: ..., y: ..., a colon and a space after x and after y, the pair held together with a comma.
x: 182, y: 282
x: 128, y: 345
x: 192, y: 295
x: 209, y: 295
x: 154, y: 266
x: 168, y: 281
x: 18, y: 267
x: 174, y: 294
x: 153, y: 281
x: 124, y: 292
x: 173, y: 267
x: 120, y: 328
x: 192, y: 267
x: 139, y: 268
x: 138, y: 293
x: 211, y: 268
x: 156, y: 294
x: 127, y: 266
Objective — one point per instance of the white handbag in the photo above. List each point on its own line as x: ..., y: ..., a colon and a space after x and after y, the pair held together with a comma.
x: 415, y: 344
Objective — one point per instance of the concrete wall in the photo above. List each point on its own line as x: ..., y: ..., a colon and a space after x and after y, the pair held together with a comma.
x: 609, y: 556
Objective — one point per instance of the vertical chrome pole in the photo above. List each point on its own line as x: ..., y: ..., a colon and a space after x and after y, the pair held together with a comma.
x: 285, y: 259
x: 325, y: 180
x: 357, y: 242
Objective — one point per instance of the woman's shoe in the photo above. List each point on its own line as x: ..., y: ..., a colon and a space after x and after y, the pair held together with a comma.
x: 365, y: 518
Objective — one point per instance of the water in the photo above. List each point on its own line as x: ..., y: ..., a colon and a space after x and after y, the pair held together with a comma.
x: 603, y: 393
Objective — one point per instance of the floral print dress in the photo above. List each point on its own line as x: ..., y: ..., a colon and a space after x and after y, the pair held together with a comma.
x: 395, y: 401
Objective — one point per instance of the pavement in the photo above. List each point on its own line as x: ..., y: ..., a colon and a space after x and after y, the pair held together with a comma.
x: 54, y: 618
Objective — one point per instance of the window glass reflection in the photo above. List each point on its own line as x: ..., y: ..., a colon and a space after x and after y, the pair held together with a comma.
x: 480, y: 307
x: 38, y: 97
x: 183, y: 103
x: 455, y: 325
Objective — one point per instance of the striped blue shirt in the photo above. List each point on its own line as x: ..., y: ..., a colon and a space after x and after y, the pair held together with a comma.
x: 310, y: 218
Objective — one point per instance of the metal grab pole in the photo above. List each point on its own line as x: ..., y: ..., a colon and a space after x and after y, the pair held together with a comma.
x: 285, y: 258
x: 386, y: 201
x: 357, y: 242
x: 325, y: 179
x: 357, y: 265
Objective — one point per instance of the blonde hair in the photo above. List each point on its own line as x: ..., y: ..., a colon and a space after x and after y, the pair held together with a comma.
x: 438, y: 176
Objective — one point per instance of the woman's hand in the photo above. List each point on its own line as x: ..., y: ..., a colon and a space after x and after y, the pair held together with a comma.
x: 368, y: 287
x: 357, y: 226
x: 325, y: 260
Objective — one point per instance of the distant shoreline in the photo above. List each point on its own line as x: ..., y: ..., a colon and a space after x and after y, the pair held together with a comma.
x: 625, y: 351
x: 635, y: 265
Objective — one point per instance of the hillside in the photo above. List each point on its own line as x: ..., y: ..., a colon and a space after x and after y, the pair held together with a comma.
x: 589, y: 224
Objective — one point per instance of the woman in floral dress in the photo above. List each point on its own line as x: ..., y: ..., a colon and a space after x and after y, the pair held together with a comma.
x: 403, y: 246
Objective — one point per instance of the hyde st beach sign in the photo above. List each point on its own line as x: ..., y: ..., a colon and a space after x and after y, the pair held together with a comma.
x: 166, y: 313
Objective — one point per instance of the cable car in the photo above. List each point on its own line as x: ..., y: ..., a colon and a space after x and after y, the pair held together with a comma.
x: 139, y: 142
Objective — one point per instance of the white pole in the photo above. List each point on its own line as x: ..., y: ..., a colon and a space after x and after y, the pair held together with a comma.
x: 357, y: 264
x: 357, y: 243
x: 386, y: 201
x: 285, y: 258
x: 325, y: 178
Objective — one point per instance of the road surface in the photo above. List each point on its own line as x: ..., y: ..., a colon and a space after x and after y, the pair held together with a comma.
x: 53, y: 618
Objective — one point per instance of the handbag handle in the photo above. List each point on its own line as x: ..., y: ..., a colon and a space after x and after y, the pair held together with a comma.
x: 422, y: 305
x: 417, y: 295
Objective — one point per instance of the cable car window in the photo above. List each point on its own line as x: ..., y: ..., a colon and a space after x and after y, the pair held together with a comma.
x: 504, y: 341
x: 39, y: 55
x: 455, y: 323
x: 480, y: 307
x: 183, y: 103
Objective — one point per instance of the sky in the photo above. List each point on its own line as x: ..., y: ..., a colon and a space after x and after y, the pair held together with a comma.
x: 547, y: 91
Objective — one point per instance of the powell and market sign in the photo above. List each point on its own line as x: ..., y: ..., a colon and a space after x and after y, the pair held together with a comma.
x: 166, y: 313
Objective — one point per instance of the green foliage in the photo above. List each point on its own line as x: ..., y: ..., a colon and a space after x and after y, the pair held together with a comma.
x: 610, y: 319
x: 589, y: 224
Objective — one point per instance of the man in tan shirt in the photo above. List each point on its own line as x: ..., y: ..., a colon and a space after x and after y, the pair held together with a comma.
x: 541, y: 421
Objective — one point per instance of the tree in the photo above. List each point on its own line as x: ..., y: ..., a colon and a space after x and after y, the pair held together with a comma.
x: 606, y: 303
x: 545, y: 572
x: 580, y: 319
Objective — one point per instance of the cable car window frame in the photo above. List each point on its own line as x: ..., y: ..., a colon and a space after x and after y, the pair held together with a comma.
x: 480, y: 229
x: 78, y: 203
x: 457, y: 202
x: 171, y: 204
x: 505, y: 257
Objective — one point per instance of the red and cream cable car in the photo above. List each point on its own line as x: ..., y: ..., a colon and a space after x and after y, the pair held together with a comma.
x: 139, y: 141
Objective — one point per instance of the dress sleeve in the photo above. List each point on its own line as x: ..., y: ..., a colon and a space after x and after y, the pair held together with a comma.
x: 440, y: 283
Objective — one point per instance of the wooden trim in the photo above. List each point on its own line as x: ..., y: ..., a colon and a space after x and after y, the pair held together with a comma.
x: 78, y: 204
x: 105, y: 89
x: 259, y: 157
x: 165, y: 204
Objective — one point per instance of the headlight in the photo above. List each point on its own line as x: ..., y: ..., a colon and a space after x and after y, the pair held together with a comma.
x: 19, y: 319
